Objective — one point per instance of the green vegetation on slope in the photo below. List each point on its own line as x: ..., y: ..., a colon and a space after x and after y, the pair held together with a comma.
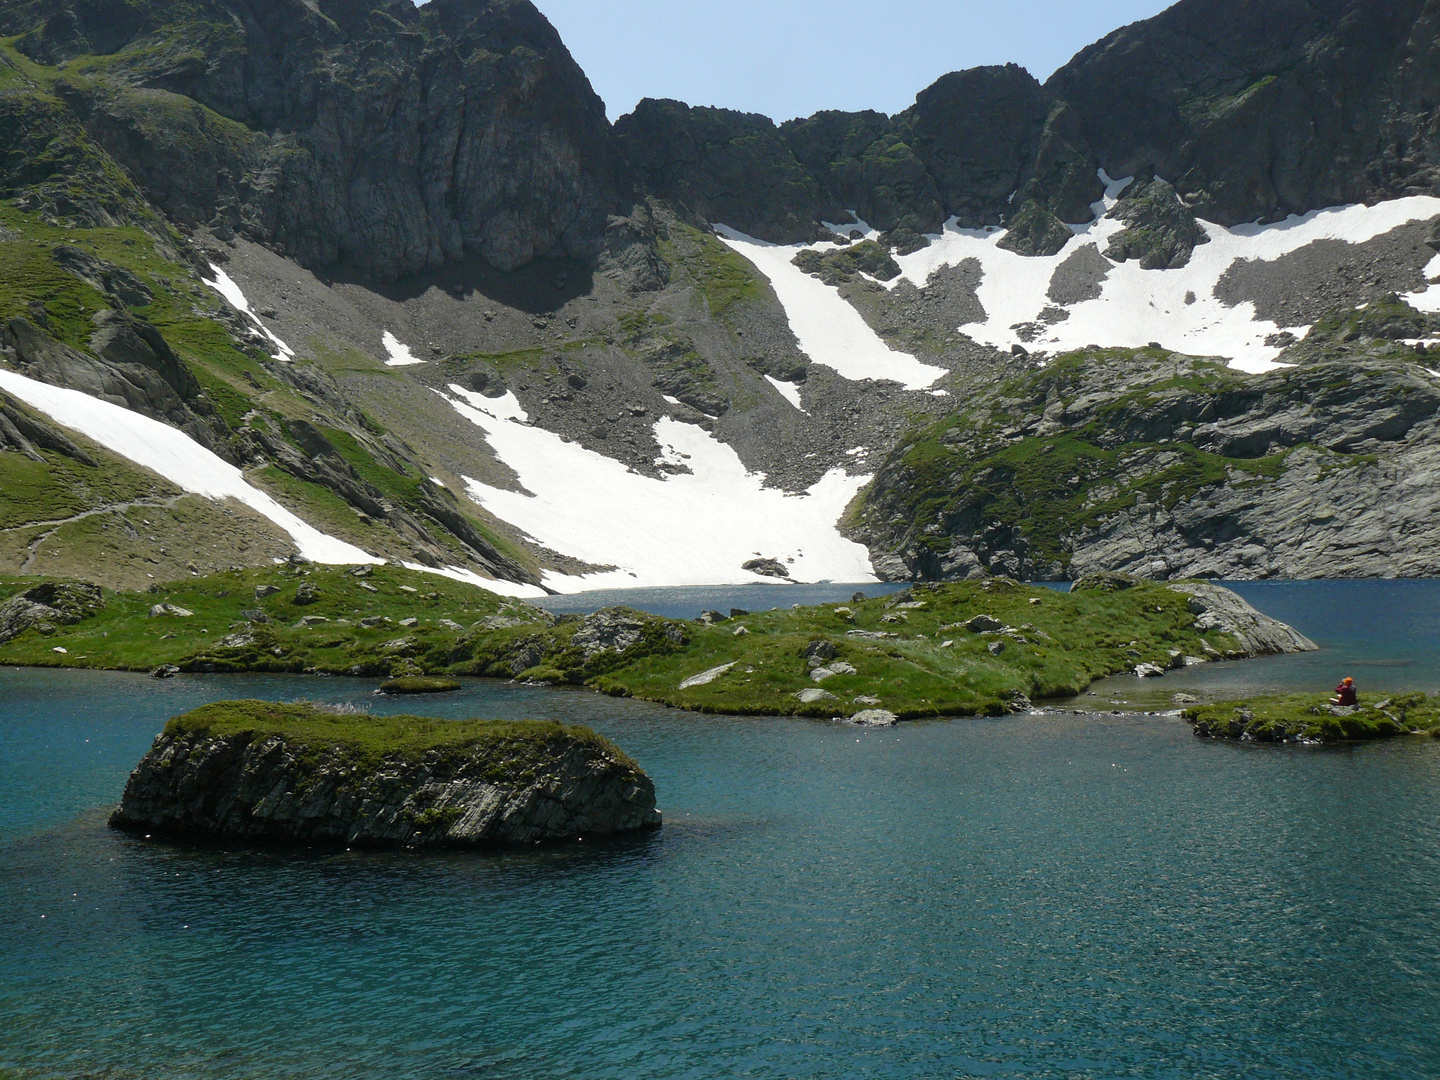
x: 975, y: 647
x: 1310, y: 718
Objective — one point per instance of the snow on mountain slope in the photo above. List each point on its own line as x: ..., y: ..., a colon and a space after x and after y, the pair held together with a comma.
x: 398, y: 352
x: 692, y: 528
x: 829, y: 330
x: 175, y: 456
x: 1177, y: 308
x: 226, y: 287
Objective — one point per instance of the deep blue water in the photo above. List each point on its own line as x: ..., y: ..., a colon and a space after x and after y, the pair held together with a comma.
x: 1051, y: 896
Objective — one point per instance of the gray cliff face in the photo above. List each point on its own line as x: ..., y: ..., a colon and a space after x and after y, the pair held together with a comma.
x: 367, y: 133
x: 240, y: 787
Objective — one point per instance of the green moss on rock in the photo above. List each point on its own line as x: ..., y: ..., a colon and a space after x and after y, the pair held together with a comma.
x: 1311, y: 718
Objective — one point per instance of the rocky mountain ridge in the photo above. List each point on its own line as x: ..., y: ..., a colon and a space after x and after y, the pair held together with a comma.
x: 393, y: 268
x: 1172, y: 466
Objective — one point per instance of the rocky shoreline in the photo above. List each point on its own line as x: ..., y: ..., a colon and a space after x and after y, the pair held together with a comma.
x: 261, y: 772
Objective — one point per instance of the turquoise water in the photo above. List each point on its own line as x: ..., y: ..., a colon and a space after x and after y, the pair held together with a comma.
x: 1052, y: 896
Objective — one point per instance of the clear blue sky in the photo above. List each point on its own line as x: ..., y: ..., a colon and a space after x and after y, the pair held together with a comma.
x: 787, y: 58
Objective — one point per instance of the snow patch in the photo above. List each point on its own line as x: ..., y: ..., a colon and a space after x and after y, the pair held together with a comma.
x: 226, y: 287
x: 789, y: 391
x: 829, y: 330
x: 400, y: 354
x: 516, y: 589
x: 692, y: 528
x: 175, y: 456
x: 1138, y: 306
x: 505, y: 407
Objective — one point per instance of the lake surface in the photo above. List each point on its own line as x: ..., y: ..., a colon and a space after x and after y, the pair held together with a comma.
x: 1035, y: 896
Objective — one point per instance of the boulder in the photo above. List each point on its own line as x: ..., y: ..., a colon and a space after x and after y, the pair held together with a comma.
x: 874, y: 718
x: 48, y: 605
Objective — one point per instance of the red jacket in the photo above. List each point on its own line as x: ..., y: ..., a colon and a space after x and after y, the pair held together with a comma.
x: 1346, y: 694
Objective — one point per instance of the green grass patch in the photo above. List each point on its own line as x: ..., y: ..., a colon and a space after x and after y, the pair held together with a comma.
x: 511, y: 747
x: 418, y: 684
x: 723, y: 278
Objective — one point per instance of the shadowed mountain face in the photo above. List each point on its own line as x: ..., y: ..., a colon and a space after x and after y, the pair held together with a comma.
x: 1262, y: 109
x: 360, y: 132
x: 1250, y: 108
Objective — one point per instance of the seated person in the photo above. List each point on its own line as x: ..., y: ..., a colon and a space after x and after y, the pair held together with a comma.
x: 1345, y: 693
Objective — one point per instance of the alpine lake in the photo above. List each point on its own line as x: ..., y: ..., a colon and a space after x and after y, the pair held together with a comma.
x: 1088, y: 891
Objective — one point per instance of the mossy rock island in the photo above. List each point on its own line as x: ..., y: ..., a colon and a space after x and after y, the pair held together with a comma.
x: 419, y: 684
x: 260, y: 772
x: 1310, y: 718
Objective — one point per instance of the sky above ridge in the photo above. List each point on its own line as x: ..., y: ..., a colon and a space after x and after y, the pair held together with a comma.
x: 788, y: 58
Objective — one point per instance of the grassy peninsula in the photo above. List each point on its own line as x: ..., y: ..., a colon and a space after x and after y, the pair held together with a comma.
x: 956, y: 649
x: 1311, y: 718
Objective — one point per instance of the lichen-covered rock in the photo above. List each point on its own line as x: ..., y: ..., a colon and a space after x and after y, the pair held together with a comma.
x: 260, y: 772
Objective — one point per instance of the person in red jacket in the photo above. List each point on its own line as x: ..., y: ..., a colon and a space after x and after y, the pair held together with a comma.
x: 1345, y: 693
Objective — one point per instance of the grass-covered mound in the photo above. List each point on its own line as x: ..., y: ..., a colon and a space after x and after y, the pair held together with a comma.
x: 301, y: 773
x: 506, y: 746
x: 1311, y: 718
x: 419, y: 684
x: 963, y: 648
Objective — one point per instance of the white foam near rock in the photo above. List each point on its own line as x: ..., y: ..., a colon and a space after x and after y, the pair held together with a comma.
x: 829, y: 330
x: 226, y: 287
x: 399, y: 353
x: 175, y: 456
x: 1177, y: 308
x: 697, y: 527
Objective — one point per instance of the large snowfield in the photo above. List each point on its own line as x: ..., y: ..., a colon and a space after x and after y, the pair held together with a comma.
x: 690, y: 528
x: 1176, y: 308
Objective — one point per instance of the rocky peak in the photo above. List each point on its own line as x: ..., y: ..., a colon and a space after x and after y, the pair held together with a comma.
x: 362, y: 132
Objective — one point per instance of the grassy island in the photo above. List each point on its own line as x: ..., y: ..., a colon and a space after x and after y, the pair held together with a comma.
x: 503, y: 745
x: 956, y: 649
x: 1311, y: 718
x: 255, y: 770
x: 419, y: 684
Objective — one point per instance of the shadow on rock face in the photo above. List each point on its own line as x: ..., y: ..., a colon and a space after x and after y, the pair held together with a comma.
x: 541, y: 288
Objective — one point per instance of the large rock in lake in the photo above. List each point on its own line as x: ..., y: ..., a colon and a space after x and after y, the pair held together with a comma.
x: 264, y: 772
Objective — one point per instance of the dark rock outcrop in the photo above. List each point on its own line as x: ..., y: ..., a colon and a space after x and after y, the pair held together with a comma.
x: 1035, y: 230
x: 1261, y: 109
x: 490, y: 786
x: 725, y: 166
x: 364, y: 132
x: 133, y: 366
x: 1160, y: 231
